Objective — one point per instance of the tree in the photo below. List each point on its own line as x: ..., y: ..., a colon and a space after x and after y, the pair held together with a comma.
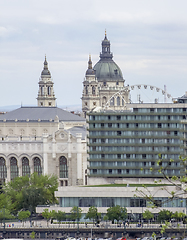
x: 60, y: 216
x: 92, y: 214
x: 23, y: 215
x: 164, y: 215
x: 75, y: 213
x: 179, y: 216
x: 178, y: 184
x: 148, y: 215
x: 47, y: 215
x: 5, y: 214
x: 33, y: 235
x: 116, y: 213
x: 27, y: 192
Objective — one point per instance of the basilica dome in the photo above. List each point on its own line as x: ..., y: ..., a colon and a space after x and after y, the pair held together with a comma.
x: 106, y: 69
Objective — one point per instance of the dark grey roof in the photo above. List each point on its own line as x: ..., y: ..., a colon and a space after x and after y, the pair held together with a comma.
x: 42, y: 113
x: 106, y: 69
x: 75, y: 130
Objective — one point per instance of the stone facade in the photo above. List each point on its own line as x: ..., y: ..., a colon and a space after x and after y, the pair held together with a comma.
x: 43, y: 139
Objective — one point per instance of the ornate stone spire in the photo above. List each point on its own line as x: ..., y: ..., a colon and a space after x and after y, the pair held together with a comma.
x: 46, y: 96
x: 90, y: 70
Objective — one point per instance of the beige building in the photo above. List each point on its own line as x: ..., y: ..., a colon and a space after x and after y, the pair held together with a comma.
x: 43, y: 139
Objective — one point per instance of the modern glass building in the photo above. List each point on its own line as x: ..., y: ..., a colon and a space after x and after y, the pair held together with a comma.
x: 127, y: 143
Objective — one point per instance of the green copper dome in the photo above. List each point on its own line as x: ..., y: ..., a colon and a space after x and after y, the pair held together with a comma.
x: 106, y: 69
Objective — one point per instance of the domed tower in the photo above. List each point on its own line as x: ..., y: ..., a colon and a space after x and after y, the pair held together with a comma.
x: 90, y: 96
x: 110, y: 78
x: 46, y: 96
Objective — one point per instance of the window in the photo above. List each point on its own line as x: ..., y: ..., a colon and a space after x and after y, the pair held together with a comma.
x: 63, y: 167
x: 158, y: 203
x: 118, y: 101
x: 25, y: 167
x: 86, y: 90
x: 49, y: 90
x: 159, y: 125
x: 93, y: 90
x: 37, y: 165
x: 13, y: 168
x: 112, y: 101
x: 3, y: 169
x: 109, y: 124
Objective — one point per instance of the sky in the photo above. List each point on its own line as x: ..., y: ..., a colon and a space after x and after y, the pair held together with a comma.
x: 148, y: 41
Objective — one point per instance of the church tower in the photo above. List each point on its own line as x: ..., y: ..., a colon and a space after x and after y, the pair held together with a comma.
x: 90, y: 96
x: 110, y: 79
x: 46, y: 96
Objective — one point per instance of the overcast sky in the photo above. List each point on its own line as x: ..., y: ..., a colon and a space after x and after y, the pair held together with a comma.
x: 148, y: 40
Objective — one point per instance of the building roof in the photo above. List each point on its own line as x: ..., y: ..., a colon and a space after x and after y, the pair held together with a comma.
x: 40, y: 114
x: 106, y: 69
x: 75, y: 130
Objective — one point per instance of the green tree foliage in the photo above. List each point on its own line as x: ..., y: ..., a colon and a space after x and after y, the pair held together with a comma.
x: 75, y: 213
x: 116, y: 213
x: 179, y: 216
x: 27, y: 192
x: 164, y: 215
x: 47, y: 215
x: 148, y: 215
x: 60, y: 216
x: 93, y: 214
x: 33, y: 235
x: 5, y: 214
x: 23, y: 215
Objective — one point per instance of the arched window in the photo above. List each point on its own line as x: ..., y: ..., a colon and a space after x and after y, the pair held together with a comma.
x: 49, y: 90
x: 3, y: 170
x: 103, y: 101
x: 42, y: 90
x: 112, y: 101
x: 118, y: 101
x: 13, y: 168
x: 25, y: 166
x: 63, y: 167
x: 37, y: 165
x: 93, y: 90
x: 86, y: 90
